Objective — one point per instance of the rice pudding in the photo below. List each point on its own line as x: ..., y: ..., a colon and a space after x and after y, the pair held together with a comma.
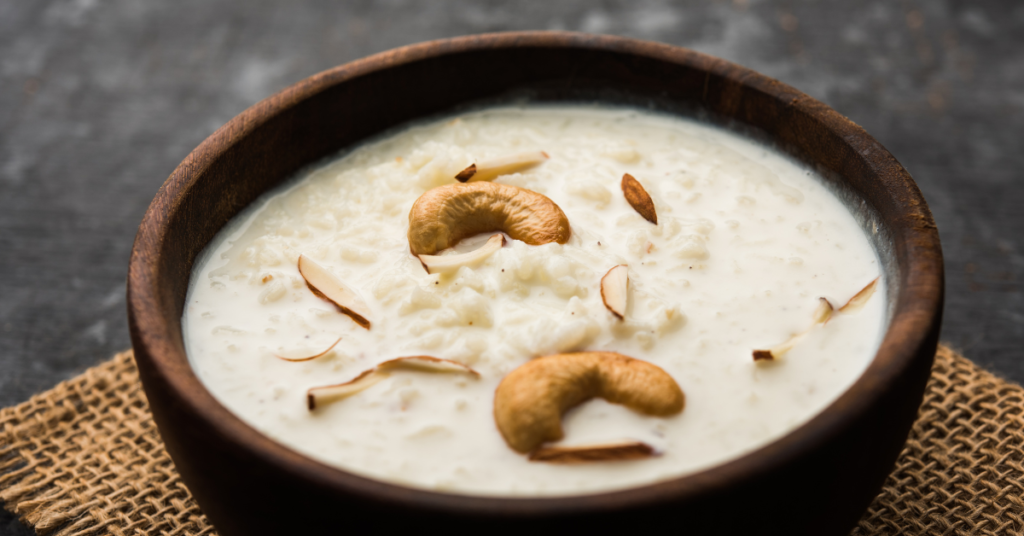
x: 744, y: 246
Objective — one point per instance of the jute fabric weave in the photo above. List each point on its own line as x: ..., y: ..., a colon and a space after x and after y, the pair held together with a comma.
x: 84, y: 458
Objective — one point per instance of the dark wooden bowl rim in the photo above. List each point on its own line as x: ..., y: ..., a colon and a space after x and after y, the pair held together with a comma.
x: 916, y: 313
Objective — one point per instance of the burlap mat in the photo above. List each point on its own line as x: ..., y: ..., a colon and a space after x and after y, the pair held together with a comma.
x: 85, y: 458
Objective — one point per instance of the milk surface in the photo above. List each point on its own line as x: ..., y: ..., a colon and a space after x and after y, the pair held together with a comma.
x: 746, y: 243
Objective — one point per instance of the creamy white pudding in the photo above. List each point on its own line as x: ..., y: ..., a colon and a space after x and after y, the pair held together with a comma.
x: 746, y: 242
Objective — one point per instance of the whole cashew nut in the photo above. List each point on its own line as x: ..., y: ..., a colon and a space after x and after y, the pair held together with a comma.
x: 443, y: 216
x: 530, y: 401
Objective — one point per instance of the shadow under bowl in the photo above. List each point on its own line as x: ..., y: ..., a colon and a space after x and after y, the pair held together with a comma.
x: 817, y: 480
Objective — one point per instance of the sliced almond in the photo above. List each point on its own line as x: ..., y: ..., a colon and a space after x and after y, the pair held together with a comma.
x: 426, y: 363
x: 488, y: 170
x: 859, y: 299
x: 319, y: 396
x: 302, y: 354
x: 328, y: 287
x: 439, y: 264
x: 823, y: 313
x: 821, y: 316
x: 638, y: 198
x: 466, y: 174
x: 779, y: 350
x: 615, y: 290
x: 634, y: 450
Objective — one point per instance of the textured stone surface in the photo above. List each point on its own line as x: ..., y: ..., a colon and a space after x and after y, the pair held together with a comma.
x: 100, y: 100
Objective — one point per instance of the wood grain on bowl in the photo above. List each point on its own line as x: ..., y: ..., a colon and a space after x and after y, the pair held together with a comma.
x: 816, y: 480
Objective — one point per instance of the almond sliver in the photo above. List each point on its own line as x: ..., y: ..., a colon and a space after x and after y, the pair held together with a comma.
x: 302, y: 354
x: 859, y: 299
x: 488, y: 170
x: 425, y: 363
x: 319, y: 396
x: 615, y: 290
x: 634, y: 450
x: 820, y: 316
x: 435, y: 264
x: 638, y: 198
x: 328, y: 287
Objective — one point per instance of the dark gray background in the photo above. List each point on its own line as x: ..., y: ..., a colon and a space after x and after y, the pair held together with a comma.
x: 100, y: 100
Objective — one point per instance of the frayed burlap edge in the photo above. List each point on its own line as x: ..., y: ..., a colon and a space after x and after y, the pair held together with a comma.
x: 84, y: 458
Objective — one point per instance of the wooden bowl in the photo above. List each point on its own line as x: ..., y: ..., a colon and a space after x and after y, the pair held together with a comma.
x: 816, y: 480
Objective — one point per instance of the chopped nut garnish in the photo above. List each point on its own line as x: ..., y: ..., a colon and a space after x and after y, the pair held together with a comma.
x: 328, y: 287
x: 466, y: 174
x: 435, y: 264
x: 615, y: 290
x: 491, y: 169
x: 821, y: 316
x: 303, y: 354
x: 318, y: 396
x: 823, y: 313
x: 426, y: 363
x: 593, y: 453
x: 638, y: 198
x: 859, y: 299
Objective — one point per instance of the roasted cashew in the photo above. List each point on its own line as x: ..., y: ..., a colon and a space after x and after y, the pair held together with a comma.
x: 529, y: 402
x: 443, y: 216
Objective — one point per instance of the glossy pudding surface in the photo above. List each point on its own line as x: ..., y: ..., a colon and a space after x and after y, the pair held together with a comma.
x: 747, y: 243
